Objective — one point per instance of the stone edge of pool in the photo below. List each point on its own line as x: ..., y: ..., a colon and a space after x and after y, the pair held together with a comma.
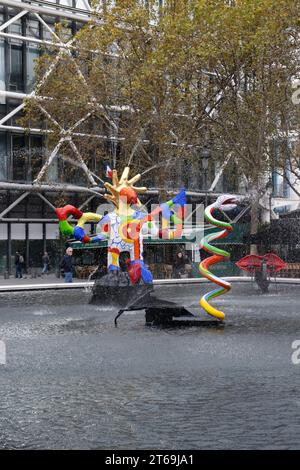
x: 157, y: 282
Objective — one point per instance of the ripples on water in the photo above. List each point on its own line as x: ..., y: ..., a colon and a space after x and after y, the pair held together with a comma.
x: 73, y: 380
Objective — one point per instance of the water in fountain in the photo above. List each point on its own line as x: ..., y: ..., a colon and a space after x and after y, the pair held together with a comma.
x: 73, y: 380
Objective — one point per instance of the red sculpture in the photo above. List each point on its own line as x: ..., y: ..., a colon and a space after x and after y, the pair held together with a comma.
x: 252, y: 263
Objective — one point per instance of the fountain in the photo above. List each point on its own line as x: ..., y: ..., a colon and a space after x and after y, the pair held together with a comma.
x: 124, y: 229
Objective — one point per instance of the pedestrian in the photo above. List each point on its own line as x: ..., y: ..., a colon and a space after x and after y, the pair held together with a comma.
x: 19, y: 261
x: 262, y: 278
x: 179, y: 265
x: 46, y: 262
x: 67, y: 265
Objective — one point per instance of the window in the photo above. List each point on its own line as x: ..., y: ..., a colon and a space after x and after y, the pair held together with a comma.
x: 36, y: 153
x: 16, y: 26
x: 16, y: 68
x: 16, y: 58
x: 82, y: 4
x: 19, y: 157
x: 33, y: 30
x: 2, y: 63
x: 68, y: 3
x: 2, y: 70
x: 3, y: 157
x: 32, y: 55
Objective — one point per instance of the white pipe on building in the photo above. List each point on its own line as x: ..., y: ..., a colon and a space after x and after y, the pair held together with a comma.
x: 58, y: 10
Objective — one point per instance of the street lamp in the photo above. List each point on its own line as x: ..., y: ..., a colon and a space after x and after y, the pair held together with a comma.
x: 269, y: 186
x: 269, y: 192
x: 205, y: 156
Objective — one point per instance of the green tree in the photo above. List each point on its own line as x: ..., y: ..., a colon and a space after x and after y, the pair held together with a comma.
x: 158, y: 84
x: 253, y: 48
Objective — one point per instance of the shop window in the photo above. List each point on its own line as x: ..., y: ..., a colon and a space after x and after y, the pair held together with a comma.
x: 36, y: 250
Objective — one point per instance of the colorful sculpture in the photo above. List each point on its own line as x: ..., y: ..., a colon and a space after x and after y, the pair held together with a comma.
x: 124, y: 228
x: 224, y: 203
x: 252, y: 263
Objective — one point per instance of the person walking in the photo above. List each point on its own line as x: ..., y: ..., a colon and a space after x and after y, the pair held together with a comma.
x: 46, y: 262
x: 19, y: 261
x: 67, y: 265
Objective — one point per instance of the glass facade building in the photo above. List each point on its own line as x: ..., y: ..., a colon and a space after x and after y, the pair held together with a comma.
x: 17, y: 75
x: 22, y: 153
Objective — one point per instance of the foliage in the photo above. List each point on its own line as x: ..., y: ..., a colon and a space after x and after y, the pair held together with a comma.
x: 159, y: 84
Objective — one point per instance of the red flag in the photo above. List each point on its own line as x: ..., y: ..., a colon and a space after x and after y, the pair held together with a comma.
x: 108, y: 172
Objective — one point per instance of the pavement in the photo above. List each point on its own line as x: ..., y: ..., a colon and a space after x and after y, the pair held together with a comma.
x: 51, y: 278
x: 40, y: 279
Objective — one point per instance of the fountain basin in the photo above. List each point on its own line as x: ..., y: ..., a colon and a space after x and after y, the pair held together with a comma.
x: 73, y: 380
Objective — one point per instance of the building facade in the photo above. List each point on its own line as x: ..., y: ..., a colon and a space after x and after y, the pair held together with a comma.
x: 30, y: 225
